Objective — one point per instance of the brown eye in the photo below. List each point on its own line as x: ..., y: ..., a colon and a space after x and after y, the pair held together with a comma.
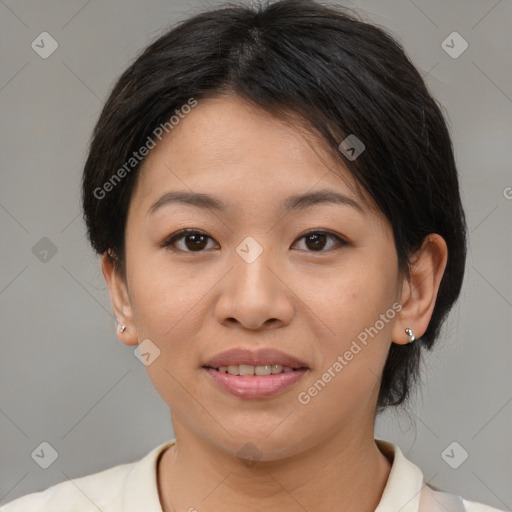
x: 315, y: 241
x: 190, y: 241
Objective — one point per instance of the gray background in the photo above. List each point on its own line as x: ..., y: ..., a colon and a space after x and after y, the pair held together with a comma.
x: 67, y: 380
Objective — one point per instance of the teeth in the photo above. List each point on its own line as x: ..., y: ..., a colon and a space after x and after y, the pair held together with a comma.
x: 249, y: 369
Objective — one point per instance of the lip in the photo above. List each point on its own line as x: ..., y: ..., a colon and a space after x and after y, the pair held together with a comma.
x: 256, y: 386
x: 257, y: 357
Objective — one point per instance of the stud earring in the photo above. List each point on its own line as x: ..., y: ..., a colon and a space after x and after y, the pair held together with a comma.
x: 122, y: 328
x: 410, y: 334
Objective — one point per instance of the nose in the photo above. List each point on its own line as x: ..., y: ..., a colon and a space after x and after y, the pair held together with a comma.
x: 255, y: 294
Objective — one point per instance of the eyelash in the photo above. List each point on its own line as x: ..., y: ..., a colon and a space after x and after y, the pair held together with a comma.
x: 170, y: 241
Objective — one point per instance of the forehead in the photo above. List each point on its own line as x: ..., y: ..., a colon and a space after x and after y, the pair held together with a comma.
x: 229, y: 147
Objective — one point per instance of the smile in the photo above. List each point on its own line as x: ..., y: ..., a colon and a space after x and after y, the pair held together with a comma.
x: 254, y: 385
x: 249, y: 369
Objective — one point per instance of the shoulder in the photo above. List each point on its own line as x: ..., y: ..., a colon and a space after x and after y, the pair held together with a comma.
x: 407, y: 490
x: 98, y: 491
x: 107, y: 490
x: 473, y: 506
x: 433, y: 500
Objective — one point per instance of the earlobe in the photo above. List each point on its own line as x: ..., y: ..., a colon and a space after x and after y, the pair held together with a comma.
x: 419, y: 291
x: 120, y: 301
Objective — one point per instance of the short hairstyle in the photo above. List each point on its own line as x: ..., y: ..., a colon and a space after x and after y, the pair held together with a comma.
x: 336, y: 73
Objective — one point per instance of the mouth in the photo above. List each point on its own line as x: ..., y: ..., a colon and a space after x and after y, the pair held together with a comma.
x: 254, y: 386
x: 249, y: 370
x: 245, y: 362
x: 255, y: 373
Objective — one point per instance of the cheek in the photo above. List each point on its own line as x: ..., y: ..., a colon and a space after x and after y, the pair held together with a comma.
x: 357, y: 309
x: 165, y: 305
x: 167, y: 310
x: 164, y: 299
x: 351, y: 297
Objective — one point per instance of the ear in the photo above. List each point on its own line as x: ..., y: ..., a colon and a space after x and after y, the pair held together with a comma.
x: 120, y: 300
x: 419, y: 291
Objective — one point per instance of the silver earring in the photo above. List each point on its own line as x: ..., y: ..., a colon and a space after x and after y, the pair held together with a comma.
x: 410, y: 334
x: 122, y: 328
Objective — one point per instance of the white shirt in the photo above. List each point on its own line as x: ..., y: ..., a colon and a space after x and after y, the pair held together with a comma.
x: 133, y: 487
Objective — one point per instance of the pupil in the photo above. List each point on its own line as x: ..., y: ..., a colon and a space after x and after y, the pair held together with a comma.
x: 316, y: 236
x: 197, y: 242
x: 314, y: 241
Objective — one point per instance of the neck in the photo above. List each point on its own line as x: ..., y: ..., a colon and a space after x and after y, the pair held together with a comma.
x: 345, y: 472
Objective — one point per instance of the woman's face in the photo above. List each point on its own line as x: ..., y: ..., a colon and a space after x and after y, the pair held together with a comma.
x: 316, y: 280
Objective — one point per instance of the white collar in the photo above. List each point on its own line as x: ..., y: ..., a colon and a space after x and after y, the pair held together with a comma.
x: 141, y: 485
x: 405, y: 482
x: 402, y: 491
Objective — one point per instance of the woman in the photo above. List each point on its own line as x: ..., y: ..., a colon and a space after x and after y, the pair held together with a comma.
x: 274, y: 196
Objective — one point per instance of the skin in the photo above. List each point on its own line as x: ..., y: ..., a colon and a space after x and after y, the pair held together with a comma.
x: 308, y: 303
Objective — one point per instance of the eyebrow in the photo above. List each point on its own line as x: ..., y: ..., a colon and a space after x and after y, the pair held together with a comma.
x: 292, y: 203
